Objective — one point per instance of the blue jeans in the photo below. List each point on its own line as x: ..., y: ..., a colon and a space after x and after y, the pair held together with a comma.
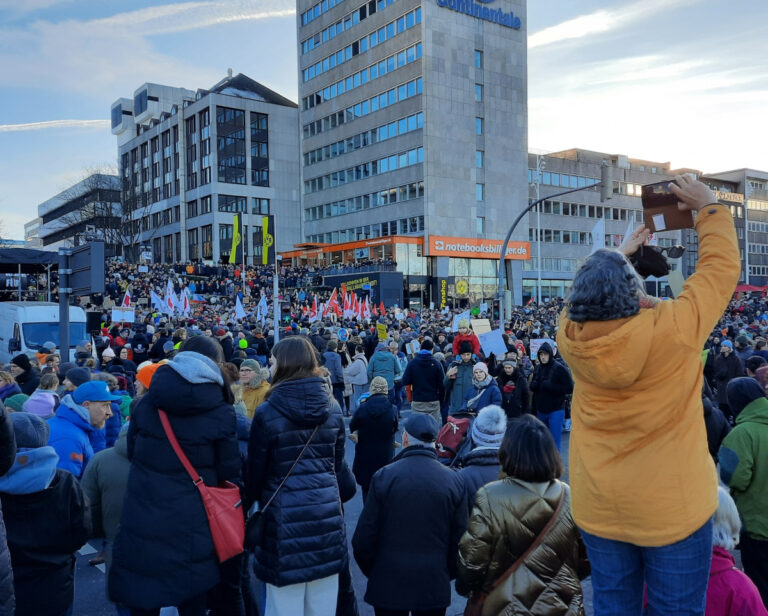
x: 554, y: 421
x: 676, y: 575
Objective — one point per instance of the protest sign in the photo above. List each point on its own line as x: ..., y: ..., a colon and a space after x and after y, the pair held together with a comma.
x: 381, y: 330
x: 459, y: 317
x: 493, y: 342
x: 122, y: 315
x: 480, y: 326
x: 537, y: 342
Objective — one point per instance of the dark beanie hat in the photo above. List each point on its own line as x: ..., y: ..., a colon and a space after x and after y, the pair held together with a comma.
x: 22, y: 361
x: 742, y: 392
x: 30, y: 430
x: 465, y: 347
x: 78, y: 376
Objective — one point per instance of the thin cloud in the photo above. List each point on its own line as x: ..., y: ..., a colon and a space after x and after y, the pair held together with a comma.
x: 602, y: 21
x: 11, y: 128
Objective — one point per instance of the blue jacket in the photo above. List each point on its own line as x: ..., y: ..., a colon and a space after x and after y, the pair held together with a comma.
x: 384, y: 364
x: 70, y: 435
x: 491, y: 395
x: 333, y: 363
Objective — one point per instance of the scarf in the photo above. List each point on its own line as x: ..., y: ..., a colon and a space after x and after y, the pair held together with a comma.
x: 480, y: 387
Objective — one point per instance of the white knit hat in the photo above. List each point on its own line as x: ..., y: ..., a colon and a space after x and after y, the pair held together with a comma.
x: 489, y: 427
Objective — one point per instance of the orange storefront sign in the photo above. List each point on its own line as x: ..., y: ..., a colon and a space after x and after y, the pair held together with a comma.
x: 475, y: 248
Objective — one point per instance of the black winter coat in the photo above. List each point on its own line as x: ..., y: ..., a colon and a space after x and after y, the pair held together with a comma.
x: 156, y: 351
x: 228, y: 347
x: 375, y: 421
x: 407, y: 537
x: 717, y: 427
x: 518, y: 401
x: 45, y: 529
x: 426, y: 375
x: 550, y: 384
x: 7, y: 458
x: 726, y: 369
x: 163, y: 553
x: 481, y: 466
x: 29, y: 381
x: 304, y: 531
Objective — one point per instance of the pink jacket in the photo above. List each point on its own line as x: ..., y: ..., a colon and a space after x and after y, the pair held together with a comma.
x: 730, y: 591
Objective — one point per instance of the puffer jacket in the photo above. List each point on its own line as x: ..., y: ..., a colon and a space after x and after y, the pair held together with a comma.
x: 479, y: 467
x: 507, y: 518
x: 457, y: 388
x: 7, y: 458
x: 163, y: 553
x: 304, y: 531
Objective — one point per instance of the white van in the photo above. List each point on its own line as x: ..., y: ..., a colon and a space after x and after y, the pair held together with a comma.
x: 26, y: 326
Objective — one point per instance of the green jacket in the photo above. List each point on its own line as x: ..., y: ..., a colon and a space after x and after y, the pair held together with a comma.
x: 744, y: 466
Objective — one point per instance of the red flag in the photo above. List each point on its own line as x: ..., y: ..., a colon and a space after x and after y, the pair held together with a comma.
x: 313, y: 311
x: 375, y: 311
x: 126, y: 300
x: 382, y: 310
x: 333, y: 303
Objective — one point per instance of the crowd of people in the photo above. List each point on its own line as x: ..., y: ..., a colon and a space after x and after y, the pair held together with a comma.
x: 457, y: 451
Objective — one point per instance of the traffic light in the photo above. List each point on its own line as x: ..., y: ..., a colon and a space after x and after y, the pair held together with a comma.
x: 606, y: 181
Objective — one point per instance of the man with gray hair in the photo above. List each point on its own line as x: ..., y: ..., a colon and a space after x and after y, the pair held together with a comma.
x: 406, y: 540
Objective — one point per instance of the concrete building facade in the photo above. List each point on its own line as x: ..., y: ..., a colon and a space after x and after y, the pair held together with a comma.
x: 409, y: 130
x: 189, y: 161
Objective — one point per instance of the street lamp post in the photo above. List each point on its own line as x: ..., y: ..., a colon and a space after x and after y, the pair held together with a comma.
x: 605, y: 184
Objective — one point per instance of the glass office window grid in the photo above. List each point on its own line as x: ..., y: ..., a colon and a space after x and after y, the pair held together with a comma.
x: 374, y: 71
x: 387, y: 196
x: 365, y: 170
x: 230, y: 129
x: 364, y: 139
x: 233, y: 203
x: 205, y: 205
x: 318, y: 9
x: 369, y: 41
x: 192, y: 246
x: 259, y: 149
x: 363, y: 108
x: 206, y: 233
x: 402, y: 226
x: 587, y: 211
x: 205, y: 146
x: 552, y: 264
x: 260, y: 206
x: 566, y: 181
x: 345, y: 23
x: 192, y: 208
x: 140, y: 102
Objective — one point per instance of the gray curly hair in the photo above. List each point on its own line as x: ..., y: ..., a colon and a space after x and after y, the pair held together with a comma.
x: 606, y: 287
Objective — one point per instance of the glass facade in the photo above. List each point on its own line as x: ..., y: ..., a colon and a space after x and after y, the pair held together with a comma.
x: 230, y: 129
x: 259, y: 149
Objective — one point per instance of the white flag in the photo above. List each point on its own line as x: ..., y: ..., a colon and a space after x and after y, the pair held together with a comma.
x: 239, y: 310
x: 262, y: 310
x: 185, y: 307
x: 598, y: 235
x: 156, y: 301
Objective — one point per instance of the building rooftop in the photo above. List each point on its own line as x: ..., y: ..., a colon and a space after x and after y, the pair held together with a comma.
x: 243, y: 86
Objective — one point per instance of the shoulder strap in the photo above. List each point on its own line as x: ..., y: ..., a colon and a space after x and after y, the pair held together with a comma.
x: 196, y: 478
x: 536, y: 543
x: 290, y: 470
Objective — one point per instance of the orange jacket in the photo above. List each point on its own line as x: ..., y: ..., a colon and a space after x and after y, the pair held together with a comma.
x: 640, y: 469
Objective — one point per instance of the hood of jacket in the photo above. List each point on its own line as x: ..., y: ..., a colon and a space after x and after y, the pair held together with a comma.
x: 608, y: 354
x: 306, y: 402
x: 482, y: 456
x: 721, y: 561
x: 74, y: 413
x: 196, y: 368
x: 755, y: 412
x: 32, y: 471
x: 176, y: 395
x: 742, y: 392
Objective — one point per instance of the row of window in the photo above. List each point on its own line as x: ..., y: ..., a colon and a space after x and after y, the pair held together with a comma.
x: 587, y: 211
x: 363, y: 108
x: 562, y: 179
x: 757, y: 204
x: 758, y: 249
x: 369, y: 73
x: 403, y: 226
x: 406, y: 192
x: 759, y: 227
x: 758, y: 270
x: 318, y: 9
x: 366, y: 138
x: 395, y: 27
x: 345, y: 23
x: 552, y: 264
x: 365, y: 170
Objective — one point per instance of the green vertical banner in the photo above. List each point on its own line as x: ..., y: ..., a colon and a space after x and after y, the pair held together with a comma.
x: 236, y: 255
x: 268, y: 240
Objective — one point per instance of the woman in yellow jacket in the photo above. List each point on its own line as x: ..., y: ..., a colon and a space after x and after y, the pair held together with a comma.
x: 644, y: 487
x: 253, y: 379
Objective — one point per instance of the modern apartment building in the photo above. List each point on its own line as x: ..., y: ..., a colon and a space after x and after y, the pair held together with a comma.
x: 190, y: 160
x: 413, y: 123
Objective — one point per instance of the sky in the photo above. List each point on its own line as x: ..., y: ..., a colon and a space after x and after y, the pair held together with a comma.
x: 684, y: 81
